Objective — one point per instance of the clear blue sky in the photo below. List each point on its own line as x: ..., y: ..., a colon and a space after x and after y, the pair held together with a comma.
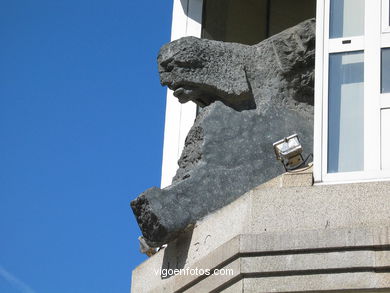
x: 81, y: 131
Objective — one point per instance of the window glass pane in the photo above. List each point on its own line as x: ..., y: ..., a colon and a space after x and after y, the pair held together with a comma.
x: 385, y: 139
x: 346, y: 113
x: 239, y: 21
x: 287, y: 13
x: 385, y: 71
x: 346, y: 18
x: 252, y: 21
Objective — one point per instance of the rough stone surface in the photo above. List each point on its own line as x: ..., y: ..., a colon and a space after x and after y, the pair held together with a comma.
x: 292, y: 234
x: 252, y: 96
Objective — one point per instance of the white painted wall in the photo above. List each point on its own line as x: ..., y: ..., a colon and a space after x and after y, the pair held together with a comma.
x: 186, y: 21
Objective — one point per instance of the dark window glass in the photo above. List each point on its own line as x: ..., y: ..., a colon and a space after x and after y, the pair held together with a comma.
x: 287, y: 13
x: 251, y: 21
x: 385, y: 71
x: 240, y: 21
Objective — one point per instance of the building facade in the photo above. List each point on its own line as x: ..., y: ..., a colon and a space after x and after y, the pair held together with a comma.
x: 288, y: 234
x: 352, y: 118
x: 222, y: 20
x: 352, y: 88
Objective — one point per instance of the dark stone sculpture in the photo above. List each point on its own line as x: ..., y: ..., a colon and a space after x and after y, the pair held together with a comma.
x: 251, y: 96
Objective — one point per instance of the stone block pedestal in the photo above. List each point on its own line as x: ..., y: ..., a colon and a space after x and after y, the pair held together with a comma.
x: 282, y: 237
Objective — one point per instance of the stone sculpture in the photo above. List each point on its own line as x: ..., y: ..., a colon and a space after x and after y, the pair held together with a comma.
x: 251, y: 96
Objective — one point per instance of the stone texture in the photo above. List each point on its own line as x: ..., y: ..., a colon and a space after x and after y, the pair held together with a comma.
x: 252, y: 96
x: 367, y: 282
x: 285, y: 239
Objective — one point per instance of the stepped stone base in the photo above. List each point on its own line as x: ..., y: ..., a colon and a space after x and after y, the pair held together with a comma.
x: 283, y: 236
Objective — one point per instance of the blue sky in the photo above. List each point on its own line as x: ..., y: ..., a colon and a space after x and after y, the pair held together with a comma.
x: 81, y: 131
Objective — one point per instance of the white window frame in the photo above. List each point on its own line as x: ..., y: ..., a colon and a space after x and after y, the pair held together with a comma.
x: 179, y: 118
x: 372, y: 42
x: 385, y: 43
x: 385, y: 16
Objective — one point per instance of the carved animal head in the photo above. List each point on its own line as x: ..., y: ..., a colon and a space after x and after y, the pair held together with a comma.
x: 204, y: 71
x: 242, y: 76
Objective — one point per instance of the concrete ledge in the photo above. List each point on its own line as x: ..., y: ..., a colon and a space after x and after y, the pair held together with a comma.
x: 298, y: 178
x: 290, y: 233
x: 343, y: 282
x: 267, y: 259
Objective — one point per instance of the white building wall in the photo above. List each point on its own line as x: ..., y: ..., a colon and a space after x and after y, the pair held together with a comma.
x: 186, y: 21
